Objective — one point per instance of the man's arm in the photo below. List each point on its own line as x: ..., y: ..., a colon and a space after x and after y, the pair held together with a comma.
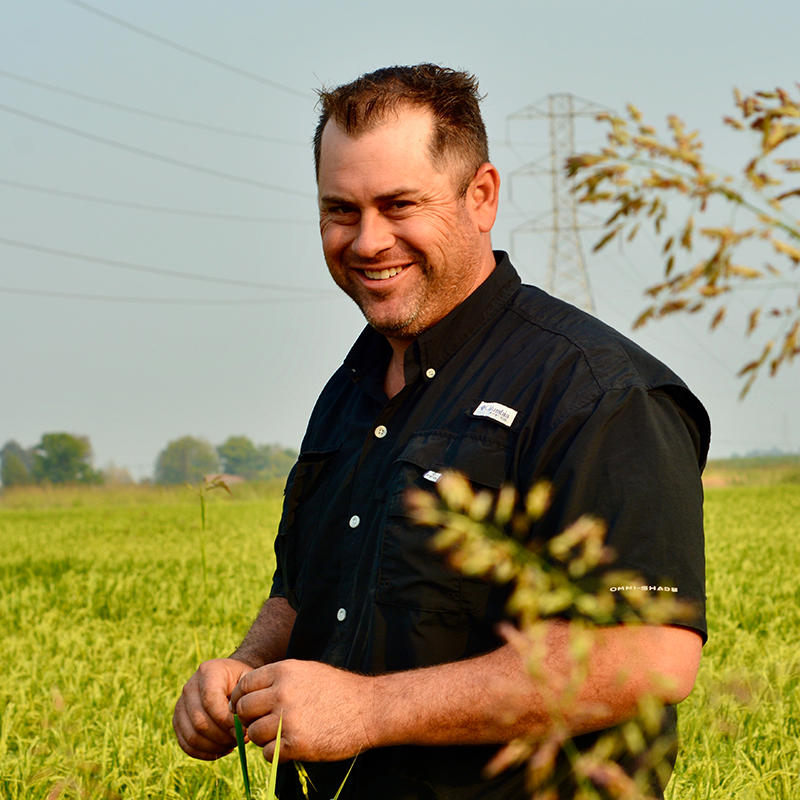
x: 202, y: 721
x: 268, y: 637
x: 329, y: 714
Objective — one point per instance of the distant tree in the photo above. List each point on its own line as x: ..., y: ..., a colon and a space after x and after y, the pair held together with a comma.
x: 186, y: 460
x: 642, y: 176
x: 64, y: 458
x: 15, y: 465
x: 277, y: 460
x: 239, y: 456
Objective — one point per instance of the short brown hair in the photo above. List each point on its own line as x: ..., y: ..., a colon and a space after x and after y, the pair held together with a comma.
x: 450, y: 95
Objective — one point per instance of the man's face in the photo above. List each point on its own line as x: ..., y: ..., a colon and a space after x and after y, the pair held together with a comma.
x: 397, y: 237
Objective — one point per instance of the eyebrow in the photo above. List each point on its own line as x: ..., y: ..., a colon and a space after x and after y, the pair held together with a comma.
x: 330, y: 199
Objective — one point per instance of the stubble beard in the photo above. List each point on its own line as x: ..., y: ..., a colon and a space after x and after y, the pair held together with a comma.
x: 435, y: 293
x: 403, y: 324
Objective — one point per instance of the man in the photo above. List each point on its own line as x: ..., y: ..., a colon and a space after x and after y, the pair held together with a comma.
x: 370, y: 643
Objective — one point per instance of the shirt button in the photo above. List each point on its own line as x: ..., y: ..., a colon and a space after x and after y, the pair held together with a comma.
x: 381, y: 431
x: 341, y: 614
x: 355, y: 521
x: 430, y: 372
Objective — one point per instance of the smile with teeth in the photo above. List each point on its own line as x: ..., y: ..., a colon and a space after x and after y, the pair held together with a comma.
x: 383, y: 274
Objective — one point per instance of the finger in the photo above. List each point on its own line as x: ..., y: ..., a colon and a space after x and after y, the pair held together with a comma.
x: 264, y: 730
x: 199, y: 730
x: 198, y: 726
x: 208, y: 711
x: 260, y: 678
x: 212, y: 700
x: 269, y: 752
x: 255, y: 705
x: 286, y: 753
x: 203, y: 755
x: 193, y: 740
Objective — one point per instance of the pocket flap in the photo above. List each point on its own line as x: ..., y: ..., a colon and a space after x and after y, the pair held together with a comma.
x: 481, y: 461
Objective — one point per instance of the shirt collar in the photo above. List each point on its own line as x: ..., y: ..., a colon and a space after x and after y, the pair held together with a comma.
x: 436, y: 345
x: 371, y: 352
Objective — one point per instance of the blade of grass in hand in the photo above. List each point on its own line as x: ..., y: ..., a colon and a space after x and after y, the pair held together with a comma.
x: 336, y: 796
x: 273, y: 773
x: 242, y: 755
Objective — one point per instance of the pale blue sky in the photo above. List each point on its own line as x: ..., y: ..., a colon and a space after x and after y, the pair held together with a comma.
x: 134, y: 375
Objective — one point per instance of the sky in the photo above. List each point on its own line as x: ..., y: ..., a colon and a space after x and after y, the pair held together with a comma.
x: 160, y: 266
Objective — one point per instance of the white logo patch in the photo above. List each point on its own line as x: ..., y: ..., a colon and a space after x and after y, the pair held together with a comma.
x: 432, y: 476
x: 498, y: 412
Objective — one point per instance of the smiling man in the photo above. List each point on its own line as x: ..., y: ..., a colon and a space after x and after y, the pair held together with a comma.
x: 398, y: 235
x: 370, y: 643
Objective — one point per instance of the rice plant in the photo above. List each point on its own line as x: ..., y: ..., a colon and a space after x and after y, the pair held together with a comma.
x: 103, y: 617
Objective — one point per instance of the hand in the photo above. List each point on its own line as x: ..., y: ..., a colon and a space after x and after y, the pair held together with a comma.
x: 326, y: 711
x: 202, y: 721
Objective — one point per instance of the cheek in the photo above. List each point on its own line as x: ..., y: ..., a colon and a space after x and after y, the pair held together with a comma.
x: 436, y: 232
x: 334, y: 241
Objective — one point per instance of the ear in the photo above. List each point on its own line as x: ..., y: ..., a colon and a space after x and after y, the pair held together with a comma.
x: 483, y: 196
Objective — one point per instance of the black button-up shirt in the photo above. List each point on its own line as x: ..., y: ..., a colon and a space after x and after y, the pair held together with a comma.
x: 511, y: 387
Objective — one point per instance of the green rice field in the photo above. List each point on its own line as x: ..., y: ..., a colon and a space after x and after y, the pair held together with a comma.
x: 104, y: 613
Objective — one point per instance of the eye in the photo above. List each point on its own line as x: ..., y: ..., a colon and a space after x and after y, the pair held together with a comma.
x: 342, y: 213
x: 399, y: 205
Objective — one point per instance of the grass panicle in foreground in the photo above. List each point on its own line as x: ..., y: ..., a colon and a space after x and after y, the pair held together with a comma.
x: 103, y: 619
x: 558, y: 578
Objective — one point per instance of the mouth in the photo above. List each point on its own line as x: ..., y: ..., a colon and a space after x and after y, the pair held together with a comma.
x: 382, y: 274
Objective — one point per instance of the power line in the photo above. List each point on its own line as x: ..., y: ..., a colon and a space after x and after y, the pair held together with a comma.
x: 149, y: 154
x: 152, y: 114
x: 188, y: 51
x: 160, y: 209
x: 190, y: 276
x: 154, y: 300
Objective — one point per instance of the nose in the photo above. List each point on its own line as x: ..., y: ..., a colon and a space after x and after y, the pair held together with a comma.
x: 373, y: 236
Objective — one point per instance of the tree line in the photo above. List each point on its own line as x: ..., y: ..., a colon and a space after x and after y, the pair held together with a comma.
x: 68, y: 458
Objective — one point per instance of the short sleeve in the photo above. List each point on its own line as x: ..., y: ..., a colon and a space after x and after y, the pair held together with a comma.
x: 633, y: 459
x: 277, y: 589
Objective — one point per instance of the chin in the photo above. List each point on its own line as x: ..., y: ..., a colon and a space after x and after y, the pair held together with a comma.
x: 403, y: 328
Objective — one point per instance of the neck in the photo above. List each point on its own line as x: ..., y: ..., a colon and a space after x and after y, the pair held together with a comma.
x: 395, y: 378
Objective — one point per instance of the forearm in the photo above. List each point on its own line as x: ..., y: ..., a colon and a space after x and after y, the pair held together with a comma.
x: 329, y: 714
x: 268, y: 637
x: 492, y: 699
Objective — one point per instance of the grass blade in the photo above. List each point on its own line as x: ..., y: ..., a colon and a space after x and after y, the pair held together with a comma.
x: 336, y: 796
x: 273, y: 773
x: 242, y: 755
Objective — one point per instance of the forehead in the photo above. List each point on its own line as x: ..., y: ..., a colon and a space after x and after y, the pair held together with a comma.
x: 396, y: 146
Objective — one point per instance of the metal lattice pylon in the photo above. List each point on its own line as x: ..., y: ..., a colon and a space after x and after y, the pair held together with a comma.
x: 566, y: 276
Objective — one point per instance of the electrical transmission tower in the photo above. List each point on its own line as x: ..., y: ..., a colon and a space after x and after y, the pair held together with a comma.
x: 566, y: 276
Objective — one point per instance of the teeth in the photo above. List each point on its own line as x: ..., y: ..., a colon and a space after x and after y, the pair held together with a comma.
x: 382, y: 275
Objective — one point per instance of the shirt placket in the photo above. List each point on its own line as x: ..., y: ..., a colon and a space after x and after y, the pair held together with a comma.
x: 362, y: 529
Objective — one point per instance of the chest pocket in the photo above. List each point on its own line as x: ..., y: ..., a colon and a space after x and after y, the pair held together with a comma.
x: 302, y: 507
x: 412, y: 574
